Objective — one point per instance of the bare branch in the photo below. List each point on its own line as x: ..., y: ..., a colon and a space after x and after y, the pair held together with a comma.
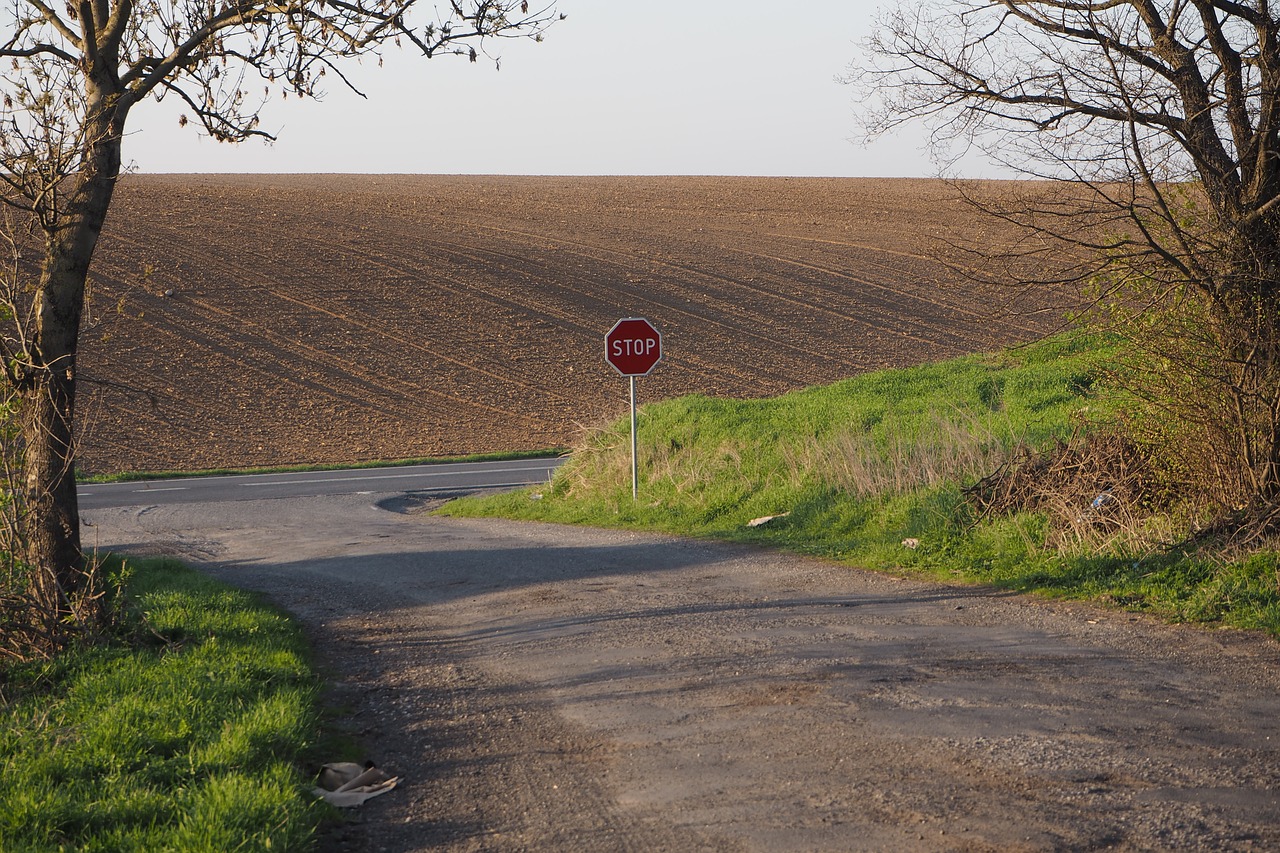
x: 1163, y: 116
x: 55, y: 20
x: 37, y: 50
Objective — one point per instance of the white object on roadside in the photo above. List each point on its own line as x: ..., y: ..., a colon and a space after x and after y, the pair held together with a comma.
x: 346, y: 784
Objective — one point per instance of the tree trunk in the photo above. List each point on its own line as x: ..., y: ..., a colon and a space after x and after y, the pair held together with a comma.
x: 50, y: 522
x: 51, y: 519
x: 1251, y: 350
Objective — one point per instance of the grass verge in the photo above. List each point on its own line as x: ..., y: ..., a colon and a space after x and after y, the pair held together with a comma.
x: 870, y: 471
x: 182, y: 737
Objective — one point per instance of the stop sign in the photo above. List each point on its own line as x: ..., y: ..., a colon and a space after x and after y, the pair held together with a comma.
x: 633, y: 346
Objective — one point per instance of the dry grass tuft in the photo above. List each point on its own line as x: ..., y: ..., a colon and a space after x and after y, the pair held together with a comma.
x: 941, y: 450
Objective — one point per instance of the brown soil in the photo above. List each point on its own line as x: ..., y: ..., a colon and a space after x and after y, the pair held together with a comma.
x: 264, y: 320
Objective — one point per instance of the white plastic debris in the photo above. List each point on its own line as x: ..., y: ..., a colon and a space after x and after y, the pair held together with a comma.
x: 346, y: 784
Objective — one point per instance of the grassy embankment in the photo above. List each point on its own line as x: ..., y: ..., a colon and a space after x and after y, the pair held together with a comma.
x: 182, y: 736
x: 865, y: 464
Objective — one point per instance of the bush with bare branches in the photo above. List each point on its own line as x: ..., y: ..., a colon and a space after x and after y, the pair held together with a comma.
x: 1156, y: 123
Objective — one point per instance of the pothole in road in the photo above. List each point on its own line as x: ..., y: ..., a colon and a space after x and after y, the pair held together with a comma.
x: 417, y: 503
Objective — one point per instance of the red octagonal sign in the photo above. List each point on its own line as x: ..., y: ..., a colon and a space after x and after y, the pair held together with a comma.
x: 633, y: 346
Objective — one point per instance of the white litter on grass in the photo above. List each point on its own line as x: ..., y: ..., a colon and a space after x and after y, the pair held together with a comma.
x: 911, y: 543
x: 765, y: 519
x: 346, y: 784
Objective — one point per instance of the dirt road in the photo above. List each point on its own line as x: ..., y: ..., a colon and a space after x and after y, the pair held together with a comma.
x: 548, y: 688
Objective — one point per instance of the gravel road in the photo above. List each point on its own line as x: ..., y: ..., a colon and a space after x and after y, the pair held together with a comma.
x: 563, y: 689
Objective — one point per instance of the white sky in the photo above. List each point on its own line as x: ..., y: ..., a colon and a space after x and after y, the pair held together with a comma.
x: 674, y: 87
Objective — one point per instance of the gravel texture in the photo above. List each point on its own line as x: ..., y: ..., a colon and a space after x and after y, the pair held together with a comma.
x: 563, y: 689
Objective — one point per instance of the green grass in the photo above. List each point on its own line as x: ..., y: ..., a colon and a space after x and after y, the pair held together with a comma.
x: 866, y: 463
x: 134, y: 476
x: 183, y: 738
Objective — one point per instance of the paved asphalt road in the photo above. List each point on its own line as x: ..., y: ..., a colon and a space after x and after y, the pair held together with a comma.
x: 411, y: 478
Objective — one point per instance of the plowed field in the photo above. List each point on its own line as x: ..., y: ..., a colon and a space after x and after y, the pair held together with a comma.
x: 266, y: 320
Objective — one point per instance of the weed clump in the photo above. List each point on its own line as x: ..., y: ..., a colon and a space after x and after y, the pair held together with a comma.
x: 1091, y: 485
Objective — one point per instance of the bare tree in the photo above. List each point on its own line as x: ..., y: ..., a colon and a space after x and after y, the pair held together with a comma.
x: 72, y: 73
x: 1159, y: 121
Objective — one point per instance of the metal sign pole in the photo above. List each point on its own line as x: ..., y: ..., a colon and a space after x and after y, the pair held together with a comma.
x: 635, y: 470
